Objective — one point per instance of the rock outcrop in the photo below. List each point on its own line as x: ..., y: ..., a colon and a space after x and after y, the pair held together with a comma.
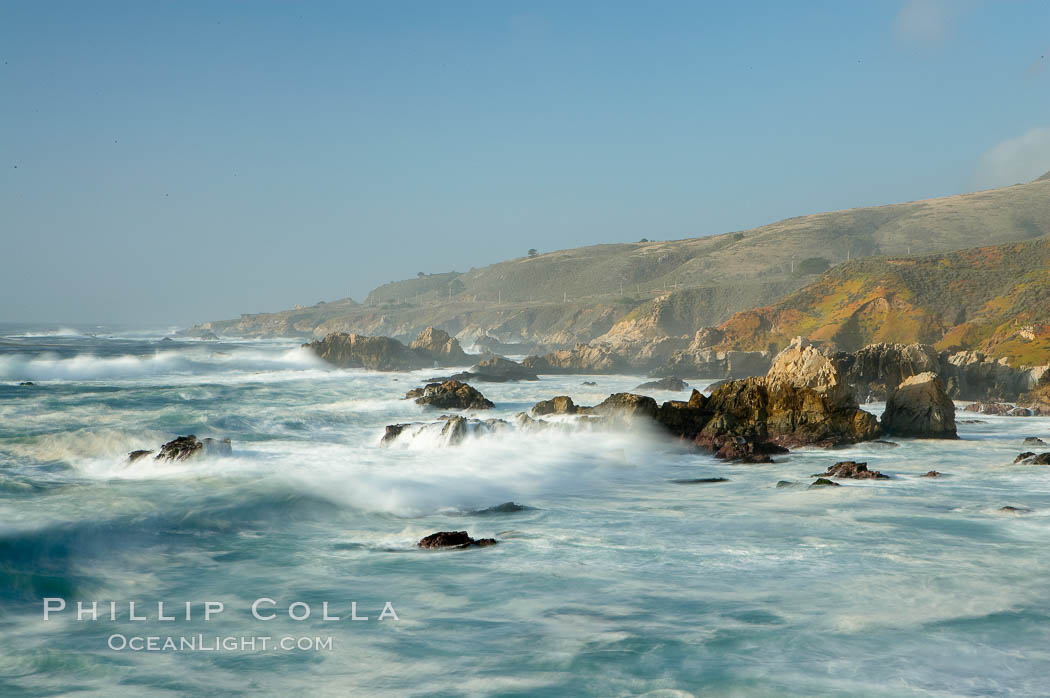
x: 877, y: 369
x: 440, y: 346
x: 450, y: 395
x: 186, y: 447
x: 453, y: 539
x: 561, y: 404
x: 920, y: 407
x: 853, y: 471
x: 431, y: 348
x: 582, y: 358
x: 803, y: 400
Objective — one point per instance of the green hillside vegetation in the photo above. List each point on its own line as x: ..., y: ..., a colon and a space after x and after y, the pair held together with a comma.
x: 994, y: 299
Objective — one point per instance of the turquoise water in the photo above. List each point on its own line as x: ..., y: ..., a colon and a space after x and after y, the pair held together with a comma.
x: 614, y: 580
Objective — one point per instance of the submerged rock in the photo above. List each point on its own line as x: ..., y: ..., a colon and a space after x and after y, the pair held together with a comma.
x: 853, y: 470
x: 669, y: 383
x: 1034, y: 441
x: 453, y: 539
x: 823, y: 482
x: 932, y: 473
x: 786, y: 483
x: 27, y: 383
x: 588, y: 383
x: 700, y: 480
x: 1015, y: 510
x: 920, y: 407
x: 450, y: 395
x: 505, y: 508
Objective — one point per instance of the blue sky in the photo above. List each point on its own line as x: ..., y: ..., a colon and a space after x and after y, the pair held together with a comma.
x: 177, y: 162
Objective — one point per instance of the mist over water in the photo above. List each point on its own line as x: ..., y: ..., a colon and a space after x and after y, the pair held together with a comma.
x: 614, y: 580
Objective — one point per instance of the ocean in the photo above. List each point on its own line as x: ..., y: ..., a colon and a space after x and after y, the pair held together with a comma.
x: 612, y: 578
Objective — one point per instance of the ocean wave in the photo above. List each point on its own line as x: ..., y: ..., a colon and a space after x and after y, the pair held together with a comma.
x: 87, y: 367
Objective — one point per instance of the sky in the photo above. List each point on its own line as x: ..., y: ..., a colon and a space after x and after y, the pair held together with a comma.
x: 176, y: 162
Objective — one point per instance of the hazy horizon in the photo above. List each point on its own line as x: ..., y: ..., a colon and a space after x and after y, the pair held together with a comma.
x: 168, y: 164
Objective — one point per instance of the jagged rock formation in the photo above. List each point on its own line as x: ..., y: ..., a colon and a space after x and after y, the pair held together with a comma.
x: 920, y: 407
x: 431, y: 348
x: 185, y: 447
x: 582, y: 358
x: 562, y: 404
x: 437, y: 344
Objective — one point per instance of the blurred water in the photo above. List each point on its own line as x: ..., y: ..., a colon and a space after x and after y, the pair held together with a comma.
x: 614, y: 581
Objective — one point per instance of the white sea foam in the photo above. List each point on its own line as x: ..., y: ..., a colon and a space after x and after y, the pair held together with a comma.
x: 91, y: 367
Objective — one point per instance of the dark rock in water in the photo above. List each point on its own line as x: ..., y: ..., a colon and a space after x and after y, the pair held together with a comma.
x: 562, y: 404
x: 167, y: 339
x: 786, y: 483
x: 669, y: 383
x: 453, y: 539
x: 737, y: 448
x: 972, y: 421
x: 392, y: 432
x: 1029, y: 458
x: 1015, y: 510
x: 823, y: 482
x: 136, y: 455
x: 498, y: 369
x: 505, y: 508
x: 852, y: 470
x: 180, y: 448
x: 27, y: 383
x: 185, y: 447
x: 1021, y: 412
x: 450, y: 395
x: 1034, y: 441
x: 932, y: 473
x: 883, y: 444
x: 700, y: 480
x: 588, y: 383
x: 920, y: 407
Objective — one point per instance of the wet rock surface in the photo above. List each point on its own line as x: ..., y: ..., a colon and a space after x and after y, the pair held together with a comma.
x: 450, y: 395
x: 453, y: 539
x: 853, y: 471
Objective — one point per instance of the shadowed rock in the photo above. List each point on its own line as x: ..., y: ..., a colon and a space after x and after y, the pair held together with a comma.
x: 453, y: 539
x: 920, y: 407
x: 853, y: 470
x: 823, y: 482
x: 450, y: 395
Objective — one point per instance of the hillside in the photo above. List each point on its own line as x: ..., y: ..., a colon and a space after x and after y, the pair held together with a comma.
x: 994, y: 299
x: 578, y: 294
